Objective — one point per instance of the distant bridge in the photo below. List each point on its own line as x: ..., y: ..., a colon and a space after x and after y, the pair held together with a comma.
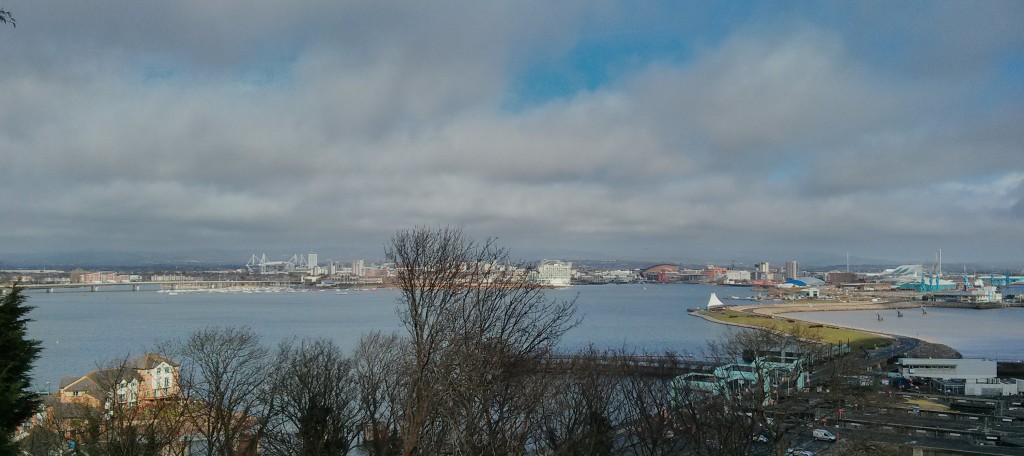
x: 172, y: 285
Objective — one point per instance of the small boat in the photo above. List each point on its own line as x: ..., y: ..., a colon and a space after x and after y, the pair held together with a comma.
x: 899, y: 313
x: 714, y: 302
x: 878, y: 316
x: 925, y: 312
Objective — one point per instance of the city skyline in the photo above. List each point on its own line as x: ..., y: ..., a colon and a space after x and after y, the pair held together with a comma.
x: 751, y: 131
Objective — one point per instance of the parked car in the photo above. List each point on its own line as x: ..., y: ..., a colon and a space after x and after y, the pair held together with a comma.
x: 823, y: 434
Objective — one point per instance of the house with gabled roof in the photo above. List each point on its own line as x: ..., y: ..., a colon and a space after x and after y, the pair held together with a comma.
x: 146, y: 377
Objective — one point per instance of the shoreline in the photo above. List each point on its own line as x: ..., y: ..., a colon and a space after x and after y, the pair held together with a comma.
x: 777, y: 311
x: 820, y: 306
x: 786, y: 311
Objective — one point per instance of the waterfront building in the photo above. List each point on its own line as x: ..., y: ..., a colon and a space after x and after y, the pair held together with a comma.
x: 791, y: 269
x: 553, y: 273
x: 713, y: 273
x: 805, y: 282
x: 913, y: 277
x: 261, y: 265
x: 80, y: 276
x: 971, y: 295
x: 836, y: 277
x: 660, y: 273
x: 146, y: 377
x: 596, y: 277
x: 968, y: 376
x: 761, y: 271
x: 173, y: 278
x: 736, y: 277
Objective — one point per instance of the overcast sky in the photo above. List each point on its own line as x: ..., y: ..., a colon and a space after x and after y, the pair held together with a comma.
x: 591, y: 129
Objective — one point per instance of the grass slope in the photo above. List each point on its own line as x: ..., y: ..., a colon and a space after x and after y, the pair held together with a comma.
x: 822, y: 333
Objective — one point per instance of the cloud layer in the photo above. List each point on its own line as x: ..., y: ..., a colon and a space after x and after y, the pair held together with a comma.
x: 269, y: 126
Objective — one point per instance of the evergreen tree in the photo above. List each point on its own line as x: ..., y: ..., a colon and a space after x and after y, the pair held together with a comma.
x: 17, y: 353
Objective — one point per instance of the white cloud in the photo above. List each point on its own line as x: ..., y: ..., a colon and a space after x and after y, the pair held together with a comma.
x: 238, y: 121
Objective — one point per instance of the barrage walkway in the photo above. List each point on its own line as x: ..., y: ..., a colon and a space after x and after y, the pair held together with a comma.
x: 171, y: 285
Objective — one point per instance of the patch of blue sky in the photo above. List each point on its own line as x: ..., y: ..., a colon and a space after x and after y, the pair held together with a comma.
x: 787, y: 170
x: 1011, y: 75
x: 646, y: 33
x: 157, y: 72
x: 1013, y: 68
x: 596, y: 61
x: 264, y: 75
x: 268, y: 75
x: 1002, y: 88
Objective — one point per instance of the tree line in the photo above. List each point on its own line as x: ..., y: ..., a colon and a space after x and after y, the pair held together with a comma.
x: 471, y: 374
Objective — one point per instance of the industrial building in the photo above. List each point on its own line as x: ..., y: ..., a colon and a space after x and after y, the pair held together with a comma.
x: 970, y: 376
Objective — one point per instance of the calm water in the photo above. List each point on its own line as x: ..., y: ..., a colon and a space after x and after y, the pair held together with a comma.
x: 80, y: 329
x: 994, y: 334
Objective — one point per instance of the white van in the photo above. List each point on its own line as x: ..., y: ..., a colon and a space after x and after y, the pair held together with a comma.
x: 822, y: 434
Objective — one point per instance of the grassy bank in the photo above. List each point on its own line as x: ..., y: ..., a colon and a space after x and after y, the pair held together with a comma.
x: 826, y: 334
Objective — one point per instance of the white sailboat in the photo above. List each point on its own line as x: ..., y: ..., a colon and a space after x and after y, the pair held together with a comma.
x: 714, y: 302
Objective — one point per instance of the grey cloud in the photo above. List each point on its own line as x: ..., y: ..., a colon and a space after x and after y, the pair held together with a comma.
x: 759, y: 99
x: 377, y: 116
x: 949, y: 40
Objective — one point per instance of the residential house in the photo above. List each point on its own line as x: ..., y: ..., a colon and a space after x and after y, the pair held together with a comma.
x: 146, y: 377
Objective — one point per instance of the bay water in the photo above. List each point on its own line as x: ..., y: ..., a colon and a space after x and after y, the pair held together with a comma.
x: 996, y: 334
x: 81, y: 330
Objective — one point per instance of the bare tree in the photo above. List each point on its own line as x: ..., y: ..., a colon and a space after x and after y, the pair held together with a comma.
x: 114, y: 410
x: 650, y: 411
x: 582, y: 415
x: 224, y: 376
x: 128, y: 421
x: 713, y: 417
x: 777, y: 400
x: 315, y: 401
x: 7, y: 18
x: 380, y: 366
x: 473, y: 323
x: 50, y: 432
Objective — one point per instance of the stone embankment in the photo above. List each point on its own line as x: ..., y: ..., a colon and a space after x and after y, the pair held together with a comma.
x: 927, y: 349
